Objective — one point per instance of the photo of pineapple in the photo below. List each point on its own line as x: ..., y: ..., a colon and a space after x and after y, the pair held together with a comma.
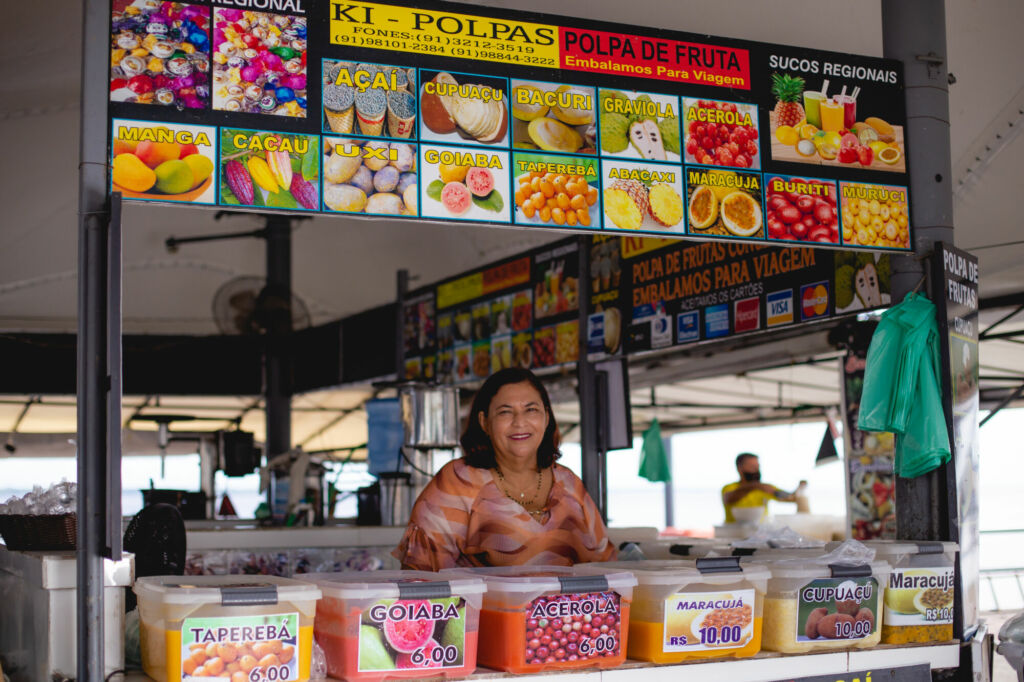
x: 788, y: 91
x: 644, y: 197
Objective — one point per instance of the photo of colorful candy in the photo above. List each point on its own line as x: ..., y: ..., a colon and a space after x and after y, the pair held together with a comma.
x: 259, y: 63
x: 160, y: 53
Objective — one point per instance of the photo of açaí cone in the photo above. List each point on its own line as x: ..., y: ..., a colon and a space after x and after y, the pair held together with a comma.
x: 339, y: 103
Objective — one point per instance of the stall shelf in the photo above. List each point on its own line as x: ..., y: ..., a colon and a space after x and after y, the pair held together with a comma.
x: 764, y: 667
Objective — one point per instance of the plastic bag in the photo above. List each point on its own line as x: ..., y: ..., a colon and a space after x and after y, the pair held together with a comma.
x: 776, y: 537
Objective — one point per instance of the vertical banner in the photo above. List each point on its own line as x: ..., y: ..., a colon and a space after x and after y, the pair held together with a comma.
x: 956, y: 272
x: 869, y: 461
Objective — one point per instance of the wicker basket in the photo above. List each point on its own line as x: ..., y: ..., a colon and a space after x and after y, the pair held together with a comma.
x: 22, y: 532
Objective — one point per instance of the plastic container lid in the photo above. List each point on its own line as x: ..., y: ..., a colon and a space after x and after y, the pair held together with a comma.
x: 227, y: 590
x: 374, y: 585
x: 798, y: 568
x: 538, y: 579
x: 684, y: 547
x: 719, y: 570
x: 891, y: 548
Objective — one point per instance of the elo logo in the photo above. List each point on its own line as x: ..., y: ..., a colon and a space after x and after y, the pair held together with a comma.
x: 779, y: 307
x: 814, y: 300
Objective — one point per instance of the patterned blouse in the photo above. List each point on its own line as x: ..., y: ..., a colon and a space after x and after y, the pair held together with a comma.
x: 462, y: 518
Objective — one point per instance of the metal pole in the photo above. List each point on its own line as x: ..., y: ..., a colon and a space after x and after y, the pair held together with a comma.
x: 670, y: 507
x: 401, y: 290
x: 590, y: 409
x: 92, y: 340
x: 914, y: 31
x: 277, y: 360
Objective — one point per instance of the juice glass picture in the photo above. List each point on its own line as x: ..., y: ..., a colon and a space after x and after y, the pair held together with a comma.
x: 831, y: 115
x: 849, y: 110
x: 812, y: 104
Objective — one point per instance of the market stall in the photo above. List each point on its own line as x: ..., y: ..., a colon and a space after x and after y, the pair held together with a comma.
x: 717, y: 191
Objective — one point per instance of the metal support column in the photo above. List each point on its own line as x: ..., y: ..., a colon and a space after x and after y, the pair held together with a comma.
x: 277, y: 359
x: 93, y: 375
x: 670, y: 506
x: 594, y: 470
x: 914, y: 31
x: 401, y: 290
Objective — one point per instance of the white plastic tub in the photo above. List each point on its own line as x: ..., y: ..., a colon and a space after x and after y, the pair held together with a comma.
x: 226, y: 627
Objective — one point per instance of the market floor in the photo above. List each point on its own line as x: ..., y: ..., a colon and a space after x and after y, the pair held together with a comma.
x: 1001, y: 670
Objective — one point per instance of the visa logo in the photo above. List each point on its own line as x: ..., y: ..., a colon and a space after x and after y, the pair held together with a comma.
x: 779, y: 306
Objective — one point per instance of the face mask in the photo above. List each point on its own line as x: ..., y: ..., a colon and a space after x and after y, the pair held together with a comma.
x: 755, y: 476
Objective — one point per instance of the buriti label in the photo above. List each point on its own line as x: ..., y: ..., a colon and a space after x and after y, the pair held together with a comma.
x: 837, y: 608
x: 919, y: 596
x: 260, y: 647
x: 703, y: 621
x: 413, y: 634
x: 570, y: 627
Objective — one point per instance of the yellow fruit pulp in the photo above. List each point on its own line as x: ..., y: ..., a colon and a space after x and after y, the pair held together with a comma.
x: 646, y: 643
x: 622, y: 210
x: 525, y: 111
x: 787, y: 135
x: 703, y: 208
x: 666, y: 205
x: 741, y: 214
x: 554, y: 136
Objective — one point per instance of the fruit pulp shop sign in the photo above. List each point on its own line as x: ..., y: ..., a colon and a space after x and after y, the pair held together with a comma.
x: 914, y: 673
x: 957, y: 272
x: 462, y: 113
x: 644, y: 294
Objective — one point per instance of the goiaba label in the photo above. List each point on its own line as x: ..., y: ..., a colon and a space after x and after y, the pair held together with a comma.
x: 412, y: 634
x: 837, y: 609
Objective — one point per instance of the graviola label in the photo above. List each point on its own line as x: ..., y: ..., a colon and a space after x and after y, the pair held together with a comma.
x: 919, y: 596
x: 838, y: 608
x: 699, y: 621
x: 413, y: 634
x: 262, y: 648
x: 573, y: 627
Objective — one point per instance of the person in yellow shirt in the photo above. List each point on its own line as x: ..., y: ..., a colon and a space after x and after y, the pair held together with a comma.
x: 749, y: 491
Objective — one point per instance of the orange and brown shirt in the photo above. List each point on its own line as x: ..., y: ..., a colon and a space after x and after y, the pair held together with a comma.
x: 462, y: 518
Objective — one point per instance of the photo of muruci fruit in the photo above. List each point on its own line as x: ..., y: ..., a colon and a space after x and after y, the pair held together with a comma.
x: 809, y: 125
x: 163, y: 162
x: 272, y: 170
x: 636, y: 125
x: 553, y: 117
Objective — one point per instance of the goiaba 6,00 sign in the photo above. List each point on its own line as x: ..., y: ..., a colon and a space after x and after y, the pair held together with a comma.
x: 499, y: 117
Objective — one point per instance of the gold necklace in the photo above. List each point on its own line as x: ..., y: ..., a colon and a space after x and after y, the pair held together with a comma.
x: 522, y: 502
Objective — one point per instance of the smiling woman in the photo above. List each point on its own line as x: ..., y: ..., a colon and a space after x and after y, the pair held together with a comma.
x: 506, y: 502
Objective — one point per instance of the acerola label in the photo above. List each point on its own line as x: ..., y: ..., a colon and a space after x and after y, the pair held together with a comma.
x: 412, y: 634
x: 701, y: 621
x: 263, y: 647
x: 573, y: 627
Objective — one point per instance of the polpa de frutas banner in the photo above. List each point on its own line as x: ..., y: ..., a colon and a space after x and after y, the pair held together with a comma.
x: 496, y: 117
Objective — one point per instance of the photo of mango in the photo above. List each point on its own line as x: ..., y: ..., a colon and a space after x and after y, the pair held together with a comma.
x: 163, y: 162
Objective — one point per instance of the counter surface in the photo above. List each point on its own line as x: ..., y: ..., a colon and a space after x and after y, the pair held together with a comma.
x: 764, y: 667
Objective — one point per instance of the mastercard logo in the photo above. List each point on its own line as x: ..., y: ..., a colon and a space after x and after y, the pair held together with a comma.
x: 814, y: 301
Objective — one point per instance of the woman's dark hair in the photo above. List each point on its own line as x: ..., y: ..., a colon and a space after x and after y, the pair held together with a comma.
x: 476, y: 444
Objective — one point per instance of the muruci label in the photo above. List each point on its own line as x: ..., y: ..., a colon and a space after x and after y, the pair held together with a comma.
x: 572, y: 627
x: 919, y: 596
x: 703, y: 621
x: 412, y: 634
x: 264, y: 648
x: 837, y: 608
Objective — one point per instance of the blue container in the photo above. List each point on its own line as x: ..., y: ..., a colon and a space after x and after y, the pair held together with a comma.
x: 385, y: 435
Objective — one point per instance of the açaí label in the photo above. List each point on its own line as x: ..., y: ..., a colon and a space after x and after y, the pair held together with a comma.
x: 412, y: 634
x: 262, y: 648
x: 919, y: 596
x: 572, y: 627
x: 702, y: 621
x: 837, y: 608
